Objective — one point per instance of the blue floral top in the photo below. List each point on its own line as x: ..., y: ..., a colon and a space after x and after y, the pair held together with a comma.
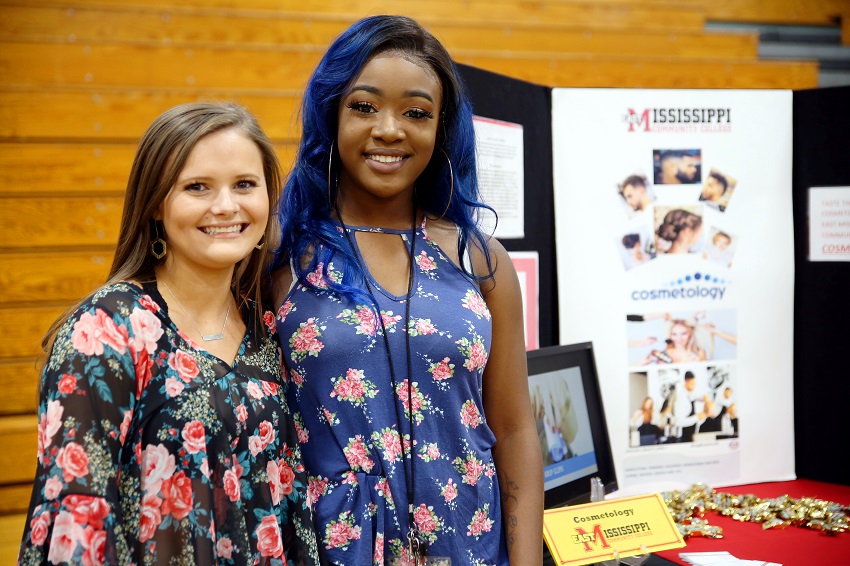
x: 153, y: 451
x: 354, y: 427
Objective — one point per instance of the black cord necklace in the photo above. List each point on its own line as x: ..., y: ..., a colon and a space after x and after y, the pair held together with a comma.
x: 416, y: 546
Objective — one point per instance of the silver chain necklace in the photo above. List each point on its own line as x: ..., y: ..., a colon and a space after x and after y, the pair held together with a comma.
x: 206, y: 337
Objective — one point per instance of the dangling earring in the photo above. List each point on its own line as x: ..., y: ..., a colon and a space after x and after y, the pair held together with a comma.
x: 259, y: 246
x: 158, y: 246
x: 330, y: 167
x: 452, y: 186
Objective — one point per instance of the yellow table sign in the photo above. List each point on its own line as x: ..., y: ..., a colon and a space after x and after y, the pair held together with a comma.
x: 584, y: 534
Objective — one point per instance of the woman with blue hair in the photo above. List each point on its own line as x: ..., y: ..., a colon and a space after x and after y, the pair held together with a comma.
x: 400, y: 321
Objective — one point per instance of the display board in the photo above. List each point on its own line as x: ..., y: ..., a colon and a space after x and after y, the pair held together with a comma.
x: 675, y: 258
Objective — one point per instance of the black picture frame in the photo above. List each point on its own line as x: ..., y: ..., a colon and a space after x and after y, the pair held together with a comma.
x: 561, y: 362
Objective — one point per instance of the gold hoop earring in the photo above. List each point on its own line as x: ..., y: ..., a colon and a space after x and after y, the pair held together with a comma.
x: 158, y: 247
x: 451, y: 186
x: 330, y: 167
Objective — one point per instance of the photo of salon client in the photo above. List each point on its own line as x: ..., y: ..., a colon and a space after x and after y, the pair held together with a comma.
x: 677, y: 166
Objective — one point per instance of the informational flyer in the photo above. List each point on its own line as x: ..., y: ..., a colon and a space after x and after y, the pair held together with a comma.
x: 829, y: 224
x: 676, y: 259
x: 501, y: 174
x: 527, y: 265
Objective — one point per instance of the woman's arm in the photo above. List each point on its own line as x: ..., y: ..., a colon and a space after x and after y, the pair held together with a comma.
x: 87, y: 397
x: 507, y: 408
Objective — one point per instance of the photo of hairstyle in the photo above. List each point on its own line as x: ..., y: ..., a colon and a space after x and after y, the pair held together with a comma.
x: 677, y: 166
x: 678, y: 230
x: 717, y: 190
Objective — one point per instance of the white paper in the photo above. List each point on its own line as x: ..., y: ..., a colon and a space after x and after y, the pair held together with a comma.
x: 829, y: 224
x: 501, y: 175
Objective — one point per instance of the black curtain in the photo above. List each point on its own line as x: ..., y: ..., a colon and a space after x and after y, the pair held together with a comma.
x: 821, y: 294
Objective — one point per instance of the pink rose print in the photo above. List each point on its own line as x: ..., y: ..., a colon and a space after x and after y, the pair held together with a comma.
x: 184, y: 364
x: 424, y: 519
x: 427, y: 522
x: 476, y: 304
x: 49, y: 423
x: 177, y: 491
x: 125, y: 425
x: 480, y: 523
x: 477, y: 357
x: 241, y: 413
x: 109, y: 333
x: 147, y: 330
x: 232, y: 486
x: 392, y: 445
x: 194, y: 437
x: 270, y: 388
x: 300, y: 430
x: 67, y: 384
x: 224, y: 548
x: 471, y: 468
x: 339, y: 534
x: 357, y: 455
x: 269, y: 542
x: 383, y: 488
x: 414, y: 405
x: 87, y: 509
x: 143, y: 364
x: 85, y: 336
x: 150, y: 516
x: 66, y: 534
x: 368, y: 324
x: 268, y: 320
x: 73, y: 461
x: 424, y: 262
x: 39, y: 527
x: 304, y: 341
x: 94, y: 541
x: 442, y: 369
x: 474, y: 351
x: 254, y: 390
x: 286, y: 308
x: 424, y: 326
x: 470, y: 415
x: 148, y: 303
x: 296, y: 378
x: 353, y: 387
x: 52, y: 488
x: 157, y: 465
x: 378, y: 555
x: 449, y: 491
x: 267, y: 433
x: 316, y: 487
x: 174, y: 387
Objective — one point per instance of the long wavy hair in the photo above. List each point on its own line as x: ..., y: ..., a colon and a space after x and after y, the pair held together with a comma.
x: 161, y: 155
x: 310, y: 238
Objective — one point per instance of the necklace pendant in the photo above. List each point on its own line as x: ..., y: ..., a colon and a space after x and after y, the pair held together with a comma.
x: 212, y: 337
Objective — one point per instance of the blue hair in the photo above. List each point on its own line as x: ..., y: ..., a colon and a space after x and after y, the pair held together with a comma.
x: 306, y: 208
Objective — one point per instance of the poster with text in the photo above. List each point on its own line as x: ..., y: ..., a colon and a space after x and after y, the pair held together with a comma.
x: 675, y: 258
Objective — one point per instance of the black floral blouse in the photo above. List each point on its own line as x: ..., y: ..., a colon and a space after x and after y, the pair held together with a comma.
x: 153, y: 451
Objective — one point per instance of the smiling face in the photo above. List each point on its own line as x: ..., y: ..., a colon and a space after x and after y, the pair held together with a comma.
x: 218, y: 208
x: 680, y: 335
x: 388, y: 124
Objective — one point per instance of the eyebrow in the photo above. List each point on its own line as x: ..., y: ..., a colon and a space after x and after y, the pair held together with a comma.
x: 407, y: 94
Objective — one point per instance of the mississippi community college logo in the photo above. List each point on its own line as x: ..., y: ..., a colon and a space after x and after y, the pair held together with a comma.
x: 684, y: 120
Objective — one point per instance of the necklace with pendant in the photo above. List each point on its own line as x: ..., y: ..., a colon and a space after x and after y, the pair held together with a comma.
x: 205, y: 337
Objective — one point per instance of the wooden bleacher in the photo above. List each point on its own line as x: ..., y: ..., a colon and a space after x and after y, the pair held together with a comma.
x: 84, y: 78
